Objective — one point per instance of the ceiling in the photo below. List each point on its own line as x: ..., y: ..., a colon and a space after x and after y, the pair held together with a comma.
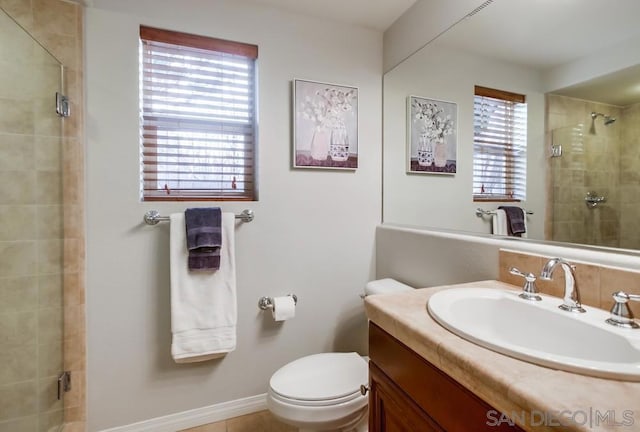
x: 621, y: 88
x: 544, y: 34
x: 373, y: 14
x: 540, y: 34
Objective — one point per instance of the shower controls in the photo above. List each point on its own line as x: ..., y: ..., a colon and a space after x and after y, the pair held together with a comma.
x: 556, y: 150
x: 592, y: 199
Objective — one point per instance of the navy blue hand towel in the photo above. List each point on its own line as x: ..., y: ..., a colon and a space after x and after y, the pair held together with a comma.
x: 204, y: 237
x: 515, y: 220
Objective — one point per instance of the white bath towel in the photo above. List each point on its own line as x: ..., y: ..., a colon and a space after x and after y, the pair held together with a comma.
x: 203, y: 304
x: 500, y: 223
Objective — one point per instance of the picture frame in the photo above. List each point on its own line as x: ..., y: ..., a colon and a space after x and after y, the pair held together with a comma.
x: 325, y: 125
x: 432, y: 138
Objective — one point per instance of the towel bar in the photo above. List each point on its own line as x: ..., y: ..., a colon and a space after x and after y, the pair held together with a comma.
x: 152, y: 217
x: 480, y: 212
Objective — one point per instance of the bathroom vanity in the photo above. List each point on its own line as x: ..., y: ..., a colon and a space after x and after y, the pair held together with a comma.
x: 409, y: 393
x: 425, y: 378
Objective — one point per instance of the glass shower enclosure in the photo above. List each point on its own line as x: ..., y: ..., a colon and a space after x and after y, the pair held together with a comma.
x: 31, y: 234
x: 590, y: 159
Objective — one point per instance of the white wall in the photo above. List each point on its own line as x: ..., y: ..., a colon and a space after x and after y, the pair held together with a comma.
x: 445, y: 201
x: 313, y: 234
x: 426, y: 258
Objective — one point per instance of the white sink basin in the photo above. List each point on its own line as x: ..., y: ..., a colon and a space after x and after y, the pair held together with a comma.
x: 539, y: 332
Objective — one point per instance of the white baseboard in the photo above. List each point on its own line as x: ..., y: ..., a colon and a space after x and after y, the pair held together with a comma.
x: 196, y: 417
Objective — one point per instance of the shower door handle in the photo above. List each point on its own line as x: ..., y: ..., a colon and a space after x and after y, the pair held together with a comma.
x: 64, y: 383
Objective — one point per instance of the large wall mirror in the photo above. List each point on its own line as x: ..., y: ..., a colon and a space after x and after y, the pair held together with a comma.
x: 577, y: 63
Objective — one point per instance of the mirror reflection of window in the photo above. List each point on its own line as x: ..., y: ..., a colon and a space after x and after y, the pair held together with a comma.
x: 499, y: 145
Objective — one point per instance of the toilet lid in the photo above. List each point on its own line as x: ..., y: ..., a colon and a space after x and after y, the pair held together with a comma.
x: 321, y: 377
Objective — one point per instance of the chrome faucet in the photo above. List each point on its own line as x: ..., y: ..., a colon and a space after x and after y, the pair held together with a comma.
x: 621, y: 315
x: 571, y: 300
x: 530, y: 290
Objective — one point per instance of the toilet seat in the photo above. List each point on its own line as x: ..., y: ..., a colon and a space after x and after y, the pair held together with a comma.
x: 320, y: 391
x: 319, y: 378
x: 317, y: 403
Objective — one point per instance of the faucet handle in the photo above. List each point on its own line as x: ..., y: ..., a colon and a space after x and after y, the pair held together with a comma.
x: 530, y: 290
x: 529, y: 277
x: 621, y: 314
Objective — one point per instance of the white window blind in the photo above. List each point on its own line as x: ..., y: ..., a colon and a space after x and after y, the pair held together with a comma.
x: 198, y: 117
x: 499, y: 146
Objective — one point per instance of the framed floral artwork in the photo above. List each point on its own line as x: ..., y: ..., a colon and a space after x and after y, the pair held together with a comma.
x: 432, y: 136
x: 325, y: 125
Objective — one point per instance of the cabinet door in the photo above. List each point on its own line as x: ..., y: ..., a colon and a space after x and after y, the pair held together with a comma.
x: 391, y: 410
x: 421, y: 391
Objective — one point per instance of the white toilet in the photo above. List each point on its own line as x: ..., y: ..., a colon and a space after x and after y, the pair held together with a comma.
x: 321, y: 392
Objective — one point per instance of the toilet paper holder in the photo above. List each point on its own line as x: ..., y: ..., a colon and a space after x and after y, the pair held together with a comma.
x: 267, y: 302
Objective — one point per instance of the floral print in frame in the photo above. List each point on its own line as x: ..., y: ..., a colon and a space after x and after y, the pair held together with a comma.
x: 325, y: 125
x: 432, y: 136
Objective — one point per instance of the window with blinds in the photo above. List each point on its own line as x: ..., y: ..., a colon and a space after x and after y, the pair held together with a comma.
x: 197, y: 117
x: 499, y: 145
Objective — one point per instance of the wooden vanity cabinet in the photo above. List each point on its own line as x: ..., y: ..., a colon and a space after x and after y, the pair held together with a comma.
x: 409, y: 394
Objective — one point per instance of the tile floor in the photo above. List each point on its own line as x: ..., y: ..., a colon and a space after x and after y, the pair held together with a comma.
x: 261, y: 421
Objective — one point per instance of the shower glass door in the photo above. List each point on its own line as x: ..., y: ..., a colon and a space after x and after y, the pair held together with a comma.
x: 31, y: 234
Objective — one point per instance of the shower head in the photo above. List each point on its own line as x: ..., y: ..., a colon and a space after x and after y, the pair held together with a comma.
x: 607, y: 118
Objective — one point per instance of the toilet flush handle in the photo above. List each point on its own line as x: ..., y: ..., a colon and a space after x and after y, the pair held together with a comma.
x: 364, y: 389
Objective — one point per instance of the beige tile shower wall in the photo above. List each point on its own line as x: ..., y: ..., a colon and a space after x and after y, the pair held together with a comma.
x: 590, y: 161
x: 630, y: 177
x: 596, y: 283
x: 58, y: 26
x: 30, y: 237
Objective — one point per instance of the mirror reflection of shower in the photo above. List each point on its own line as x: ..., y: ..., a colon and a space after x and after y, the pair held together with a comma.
x: 596, y: 166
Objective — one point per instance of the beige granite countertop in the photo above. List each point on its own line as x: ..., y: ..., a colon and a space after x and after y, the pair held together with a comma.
x: 538, y: 393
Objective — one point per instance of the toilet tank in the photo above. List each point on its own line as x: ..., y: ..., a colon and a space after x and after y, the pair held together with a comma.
x: 384, y: 286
